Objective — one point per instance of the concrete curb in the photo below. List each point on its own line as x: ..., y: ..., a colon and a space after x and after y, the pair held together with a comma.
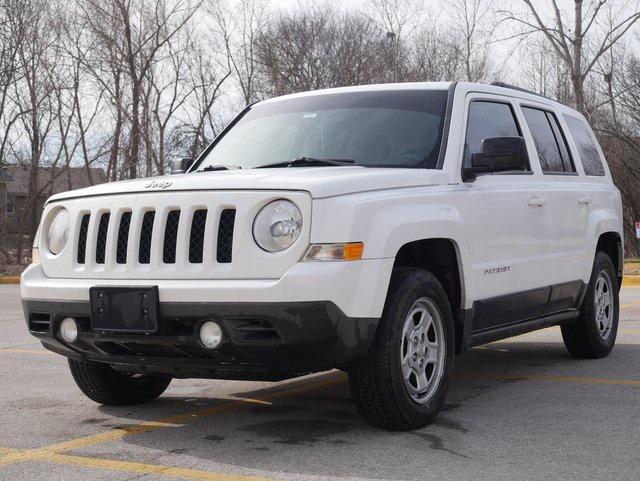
x: 10, y: 280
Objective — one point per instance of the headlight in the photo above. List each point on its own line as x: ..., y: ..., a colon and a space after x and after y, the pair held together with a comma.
x: 277, y: 226
x: 58, y: 231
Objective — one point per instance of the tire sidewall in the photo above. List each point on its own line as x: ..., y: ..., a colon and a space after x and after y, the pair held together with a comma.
x: 414, y: 413
x: 602, y: 346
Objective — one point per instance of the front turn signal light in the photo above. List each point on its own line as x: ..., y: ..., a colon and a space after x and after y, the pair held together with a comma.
x: 351, y: 251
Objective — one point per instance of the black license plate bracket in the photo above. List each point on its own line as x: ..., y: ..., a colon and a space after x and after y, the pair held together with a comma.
x: 124, y: 309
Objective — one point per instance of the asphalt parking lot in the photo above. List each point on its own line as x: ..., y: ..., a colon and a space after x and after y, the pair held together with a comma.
x: 518, y: 409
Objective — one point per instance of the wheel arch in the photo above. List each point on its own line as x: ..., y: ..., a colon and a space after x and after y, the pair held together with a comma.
x: 611, y: 244
x: 441, y: 257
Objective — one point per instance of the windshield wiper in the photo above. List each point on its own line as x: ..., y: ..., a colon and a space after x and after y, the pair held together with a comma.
x: 303, y: 161
x: 213, y: 168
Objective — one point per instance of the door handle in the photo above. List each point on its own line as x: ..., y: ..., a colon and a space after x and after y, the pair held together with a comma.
x: 584, y: 199
x: 537, y: 201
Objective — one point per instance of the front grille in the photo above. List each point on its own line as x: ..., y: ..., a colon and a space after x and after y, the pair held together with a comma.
x: 82, y: 238
x: 101, y: 242
x: 196, y: 240
x: 123, y: 238
x: 225, y: 236
x: 146, y: 235
x: 197, y: 230
x: 171, y: 237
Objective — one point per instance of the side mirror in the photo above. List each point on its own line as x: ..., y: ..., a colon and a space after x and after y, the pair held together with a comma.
x: 498, y: 154
x: 181, y: 165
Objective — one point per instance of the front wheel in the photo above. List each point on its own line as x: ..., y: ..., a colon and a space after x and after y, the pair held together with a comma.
x: 593, y: 334
x: 402, y: 382
x: 104, y: 385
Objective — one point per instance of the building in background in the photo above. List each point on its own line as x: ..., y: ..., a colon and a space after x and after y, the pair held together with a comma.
x: 14, y: 189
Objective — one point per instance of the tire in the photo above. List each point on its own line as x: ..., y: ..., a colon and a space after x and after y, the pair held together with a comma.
x: 592, y: 336
x: 377, y: 382
x: 104, y: 385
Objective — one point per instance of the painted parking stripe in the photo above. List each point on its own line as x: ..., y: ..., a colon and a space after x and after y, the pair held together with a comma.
x: 171, y: 421
x: 27, y: 351
x: 552, y: 378
x: 137, y: 468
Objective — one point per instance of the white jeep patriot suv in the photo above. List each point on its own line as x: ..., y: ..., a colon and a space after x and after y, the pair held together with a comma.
x: 380, y: 230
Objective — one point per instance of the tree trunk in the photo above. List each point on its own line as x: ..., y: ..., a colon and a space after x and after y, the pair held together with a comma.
x: 577, y: 77
x: 134, y: 142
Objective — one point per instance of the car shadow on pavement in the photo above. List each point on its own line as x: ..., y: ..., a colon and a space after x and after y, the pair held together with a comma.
x: 319, y: 432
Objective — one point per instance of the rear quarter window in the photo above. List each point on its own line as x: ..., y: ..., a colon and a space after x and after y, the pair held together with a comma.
x: 587, y: 148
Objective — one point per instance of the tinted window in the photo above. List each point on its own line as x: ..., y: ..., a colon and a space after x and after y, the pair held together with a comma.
x: 552, y: 150
x: 586, y: 146
x: 374, y: 129
x: 488, y: 120
x: 562, y: 143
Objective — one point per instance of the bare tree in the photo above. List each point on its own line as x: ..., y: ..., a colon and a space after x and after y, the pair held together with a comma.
x: 434, y: 54
x: 474, y: 26
x: 34, y: 95
x: 581, y: 42
x: 138, y: 32
x: 321, y: 48
x: 399, y: 19
x: 201, y: 124
x: 240, y: 24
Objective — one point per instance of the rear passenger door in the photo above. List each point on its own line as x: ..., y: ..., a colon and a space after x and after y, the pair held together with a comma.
x: 568, y: 205
x: 596, y: 192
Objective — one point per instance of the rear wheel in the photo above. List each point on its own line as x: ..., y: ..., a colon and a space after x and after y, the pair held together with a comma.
x: 593, y: 334
x: 402, y: 382
x: 104, y: 385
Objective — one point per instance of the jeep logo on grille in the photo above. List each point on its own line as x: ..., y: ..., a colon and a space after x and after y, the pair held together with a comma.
x: 156, y: 184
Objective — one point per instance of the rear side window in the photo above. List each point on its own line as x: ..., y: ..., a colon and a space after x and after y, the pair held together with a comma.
x: 488, y: 120
x: 587, y: 148
x: 550, y: 143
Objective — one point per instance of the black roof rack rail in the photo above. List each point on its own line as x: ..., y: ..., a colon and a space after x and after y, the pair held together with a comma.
x: 513, y: 87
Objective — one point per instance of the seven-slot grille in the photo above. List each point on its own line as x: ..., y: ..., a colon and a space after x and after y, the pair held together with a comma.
x: 170, y: 233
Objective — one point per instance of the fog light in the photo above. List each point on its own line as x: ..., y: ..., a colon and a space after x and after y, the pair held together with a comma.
x: 69, y: 330
x: 210, y: 334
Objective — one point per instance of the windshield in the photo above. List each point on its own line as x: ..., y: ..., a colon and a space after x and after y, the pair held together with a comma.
x: 370, y: 129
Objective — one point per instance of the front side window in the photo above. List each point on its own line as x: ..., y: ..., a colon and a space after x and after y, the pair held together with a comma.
x: 369, y: 129
x: 488, y: 120
x: 587, y: 148
x: 550, y: 143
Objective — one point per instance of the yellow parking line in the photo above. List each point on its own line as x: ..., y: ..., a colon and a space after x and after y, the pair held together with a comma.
x: 147, y: 426
x: 135, y: 467
x: 5, y: 451
x: 552, y: 378
x: 146, y: 469
x: 28, y: 351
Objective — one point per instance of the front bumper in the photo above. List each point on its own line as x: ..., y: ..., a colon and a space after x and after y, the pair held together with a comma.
x: 357, y: 288
x: 266, y: 341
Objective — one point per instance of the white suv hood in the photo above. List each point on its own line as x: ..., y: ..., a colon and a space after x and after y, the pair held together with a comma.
x: 318, y: 181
